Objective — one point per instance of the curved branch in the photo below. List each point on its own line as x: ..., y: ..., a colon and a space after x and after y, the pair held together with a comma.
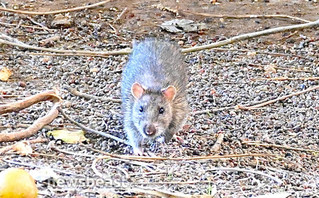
x: 55, y: 11
x: 34, y: 128
x: 27, y: 102
x: 252, y: 35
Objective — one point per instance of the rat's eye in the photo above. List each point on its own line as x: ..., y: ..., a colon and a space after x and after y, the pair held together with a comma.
x: 161, y: 110
x: 141, y: 109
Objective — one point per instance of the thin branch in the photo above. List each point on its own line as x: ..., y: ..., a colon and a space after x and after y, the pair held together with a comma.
x: 10, y: 147
x: 35, y: 127
x: 93, y: 166
x: 262, y: 52
x: 91, y: 130
x: 15, y: 42
x: 87, y: 96
x: 213, y: 110
x: 145, y: 165
x: 285, y: 78
x: 218, y: 142
x: 280, y: 146
x: 279, y: 68
x: 163, y: 193
x: 27, y: 102
x: 41, y: 25
x: 252, y: 16
x: 210, y: 157
x: 277, y: 99
x: 255, y: 106
x: 24, y: 26
x: 55, y: 11
x: 252, y: 35
x: 279, y: 181
x: 120, y: 15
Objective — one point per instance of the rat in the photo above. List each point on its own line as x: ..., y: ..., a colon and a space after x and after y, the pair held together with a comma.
x: 153, y: 92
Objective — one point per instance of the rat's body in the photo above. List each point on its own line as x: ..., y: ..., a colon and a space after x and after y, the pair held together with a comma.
x: 153, y: 92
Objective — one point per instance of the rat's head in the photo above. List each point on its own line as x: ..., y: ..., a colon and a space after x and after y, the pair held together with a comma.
x: 152, y: 111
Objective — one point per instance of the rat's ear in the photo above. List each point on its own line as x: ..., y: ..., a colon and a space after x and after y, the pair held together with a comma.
x: 169, y: 92
x: 137, y: 90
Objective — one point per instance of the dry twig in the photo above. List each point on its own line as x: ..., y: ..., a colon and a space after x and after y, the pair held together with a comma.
x: 119, y: 16
x: 211, y: 157
x: 55, y: 11
x: 4, y: 39
x: 279, y: 181
x: 279, y: 146
x: 35, y: 127
x: 218, y: 142
x: 91, y: 130
x: 87, y: 96
x: 285, y: 78
x: 27, y: 102
x: 10, y: 147
x: 279, y: 68
x: 164, y: 8
x: 255, y: 106
x: 262, y: 52
x: 127, y: 176
x: 39, y: 123
x: 163, y: 193
x: 252, y: 35
x: 248, y: 16
x: 277, y: 99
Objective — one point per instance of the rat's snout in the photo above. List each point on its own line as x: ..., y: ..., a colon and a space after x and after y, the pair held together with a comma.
x: 149, y: 130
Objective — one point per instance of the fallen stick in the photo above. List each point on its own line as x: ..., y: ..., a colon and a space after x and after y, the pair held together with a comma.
x: 280, y: 146
x: 4, y: 39
x: 10, y: 147
x: 87, y: 96
x: 55, y: 11
x: 277, y: 99
x: 278, y: 68
x: 34, y: 128
x: 250, y: 16
x: 252, y: 35
x: 255, y: 106
x: 209, y: 157
x: 218, y: 142
x: 91, y: 130
x: 27, y: 102
x: 24, y: 26
x: 285, y: 78
x: 279, y: 181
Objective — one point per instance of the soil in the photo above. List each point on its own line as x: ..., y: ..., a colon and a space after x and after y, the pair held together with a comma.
x: 239, y: 73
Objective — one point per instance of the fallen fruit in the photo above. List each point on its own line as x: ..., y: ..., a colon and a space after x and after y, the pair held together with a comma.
x: 17, y: 183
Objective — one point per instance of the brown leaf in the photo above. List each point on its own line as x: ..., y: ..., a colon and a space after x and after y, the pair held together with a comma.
x: 22, y: 148
x: 5, y: 73
x: 270, y: 69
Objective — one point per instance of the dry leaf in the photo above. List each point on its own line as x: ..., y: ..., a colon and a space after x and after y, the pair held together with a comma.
x: 22, y: 148
x: 44, y: 174
x: 61, y: 21
x: 252, y: 53
x: 5, y: 73
x: 67, y: 136
x: 94, y: 70
x: 270, y: 69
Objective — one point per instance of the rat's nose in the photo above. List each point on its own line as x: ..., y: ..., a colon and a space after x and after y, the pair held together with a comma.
x: 149, y: 130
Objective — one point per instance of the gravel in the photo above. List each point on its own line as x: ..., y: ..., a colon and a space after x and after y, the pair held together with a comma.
x: 218, y: 79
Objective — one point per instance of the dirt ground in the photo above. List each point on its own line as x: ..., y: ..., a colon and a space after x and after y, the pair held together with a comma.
x: 284, y: 134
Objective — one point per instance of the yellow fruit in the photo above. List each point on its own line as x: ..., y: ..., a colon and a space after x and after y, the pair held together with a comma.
x: 17, y: 183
